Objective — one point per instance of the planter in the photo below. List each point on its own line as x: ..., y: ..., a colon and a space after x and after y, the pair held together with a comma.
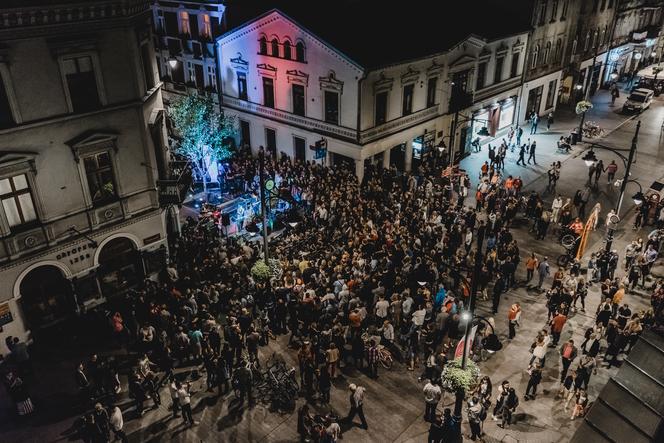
x: 263, y: 272
x: 454, y: 378
x: 583, y: 106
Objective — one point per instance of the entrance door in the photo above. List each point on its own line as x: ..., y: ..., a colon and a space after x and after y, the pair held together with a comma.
x: 299, y: 145
x: 594, y: 80
x: 398, y: 156
x: 534, y: 100
x: 120, y: 266
x: 46, y: 297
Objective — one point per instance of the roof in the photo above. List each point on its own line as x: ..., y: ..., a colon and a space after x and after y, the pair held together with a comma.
x: 630, y: 407
x: 374, y: 33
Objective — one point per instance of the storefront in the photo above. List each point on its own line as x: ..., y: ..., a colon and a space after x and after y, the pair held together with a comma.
x: 496, y: 118
x: 120, y: 266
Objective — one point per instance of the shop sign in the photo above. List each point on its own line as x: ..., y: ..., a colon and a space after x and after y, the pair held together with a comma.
x: 5, y: 314
x: 76, y: 254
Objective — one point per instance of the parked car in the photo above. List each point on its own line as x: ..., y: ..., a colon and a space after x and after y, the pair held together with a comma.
x: 639, y: 100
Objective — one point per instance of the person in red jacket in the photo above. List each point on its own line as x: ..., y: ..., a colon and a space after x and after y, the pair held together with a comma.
x: 557, y: 323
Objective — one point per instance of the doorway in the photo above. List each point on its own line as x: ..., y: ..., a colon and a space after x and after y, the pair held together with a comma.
x: 120, y: 266
x: 46, y: 297
x: 534, y: 101
x: 299, y: 145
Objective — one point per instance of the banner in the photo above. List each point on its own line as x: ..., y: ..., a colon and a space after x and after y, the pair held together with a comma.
x: 459, y: 349
x: 590, y: 223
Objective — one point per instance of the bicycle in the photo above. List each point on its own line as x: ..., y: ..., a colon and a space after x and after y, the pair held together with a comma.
x: 569, y: 242
x: 384, y: 355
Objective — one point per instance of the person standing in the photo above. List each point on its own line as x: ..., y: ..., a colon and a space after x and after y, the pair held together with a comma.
x: 535, y: 379
x: 531, y: 265
x: 532, y: 152
x: 513, y: 317
x: 549, y: 121
x: 568, y: 353
x: 102, y: 422
x: 117, y: 423
x: 476, y: 415
x: 175, y: 402
x: 522, y: 154
x: 372, y: 359
x: 543, y: 271
x: 432, y: 396
x: 519, y: 134
x: 611, y: 170
x: 184, y: 397
x: 509, y: 406
x: 498, y: 289
x: 356, y: 405
x: 557, y: 323
x: 324, y: 385
x: 533, y: 123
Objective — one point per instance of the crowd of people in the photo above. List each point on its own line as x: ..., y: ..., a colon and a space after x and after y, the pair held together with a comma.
x: 384, y: 262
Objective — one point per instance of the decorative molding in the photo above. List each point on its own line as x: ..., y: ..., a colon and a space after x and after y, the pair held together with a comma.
x: 410, y: 76
x: 383, y: 83
x: 331, y: 82
x: 239, y: 63
x: 502, y: 49
x: 485, y: 54
x: 16, y: 161
x: 267, y: 70
x: 398, y: 124
x: 434, y: 69
x: 296, y: 76
x: 72, y: 45
x: 90, y: 142
x: 464, y: 61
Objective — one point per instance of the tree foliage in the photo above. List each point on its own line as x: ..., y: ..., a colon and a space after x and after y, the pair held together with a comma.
x: 203, y: 135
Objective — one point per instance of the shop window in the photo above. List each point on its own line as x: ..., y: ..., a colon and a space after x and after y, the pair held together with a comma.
x: 81, y: 83
x: 99, y: 174
x: 17, y: 201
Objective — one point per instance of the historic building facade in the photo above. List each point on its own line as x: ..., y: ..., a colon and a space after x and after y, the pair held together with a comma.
x: 82, y: 142
x: 290, y: 89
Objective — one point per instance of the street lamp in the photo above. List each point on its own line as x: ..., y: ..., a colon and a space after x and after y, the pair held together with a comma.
x: 172, y: 62
x: 638, y: 198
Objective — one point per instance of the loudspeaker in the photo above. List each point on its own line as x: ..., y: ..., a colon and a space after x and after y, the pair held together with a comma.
x: 225, y: 219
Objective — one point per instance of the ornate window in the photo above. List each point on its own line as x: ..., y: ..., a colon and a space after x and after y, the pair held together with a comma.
x: 287, y: 50
x: 300, y: 52
x: 274, y: 47
x: 17, y: 202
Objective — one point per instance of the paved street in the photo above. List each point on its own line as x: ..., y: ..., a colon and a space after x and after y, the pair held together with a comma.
x: 394, y: 404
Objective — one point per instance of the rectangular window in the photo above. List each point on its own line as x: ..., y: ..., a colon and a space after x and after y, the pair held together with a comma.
x: 148, y: 71
x: 17, y: 200
x: 171, y: 20
x: 6, y: 116
x: 551, y: 94
x: 242, y: 85
x: 481, y: 75
x: 542, y: 12
x: 196, y: 49
x: 207, y: 27
x: 212, y: 81
x: 514, y: 70
x: 245, y: 133
x: 407, y: 104
x: 432, y: 83
x: 332, y: 107
x: 99, y: 172
x: 300, y: 149
x: 184, y: 22
x: 271, y: 140
x: 554, y: 10
x: 381, y: 108
x: 193, y: 25
x: 268, y: 92
x: 498, y: 74
x: 298, y: 99
x: 200, y: 77
x: 81, y: 83
x: 177, y: 72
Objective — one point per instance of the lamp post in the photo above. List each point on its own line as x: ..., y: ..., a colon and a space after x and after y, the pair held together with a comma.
x: 630, y: 160
x: 261, y: 173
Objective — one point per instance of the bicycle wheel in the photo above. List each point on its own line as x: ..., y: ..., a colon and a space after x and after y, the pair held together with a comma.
x: 563, y: 260
x: 568, y: 241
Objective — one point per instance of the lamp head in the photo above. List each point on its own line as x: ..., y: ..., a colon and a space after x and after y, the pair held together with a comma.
x: 172, y: 62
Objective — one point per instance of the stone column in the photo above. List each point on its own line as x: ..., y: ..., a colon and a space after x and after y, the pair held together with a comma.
x: 408, y: 158
x: 386, y: 158
x: 359, y: 170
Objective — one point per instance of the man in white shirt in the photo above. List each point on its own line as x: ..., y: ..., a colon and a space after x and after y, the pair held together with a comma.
x: 117, y: 423
x: 382, y: 306
x: 184, y: 397
x: 432, y: 396
x: 555, y: 208
x: 356, y: 404
x: 418, y: 317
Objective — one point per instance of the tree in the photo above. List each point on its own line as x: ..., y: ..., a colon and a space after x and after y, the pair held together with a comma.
x: 203, y: 135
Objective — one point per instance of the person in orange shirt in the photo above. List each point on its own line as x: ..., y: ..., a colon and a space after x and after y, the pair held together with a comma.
x: 557, y: 324
x: 509, y: 185
x: 531, y: 265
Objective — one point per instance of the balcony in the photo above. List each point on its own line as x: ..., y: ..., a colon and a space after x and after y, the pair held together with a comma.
x: 311, y: 124
x: 173, y: 188
x: 496, y: 89
x: 397, y: 124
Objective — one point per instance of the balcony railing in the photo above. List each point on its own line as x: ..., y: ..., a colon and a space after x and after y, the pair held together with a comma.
x: 287, y: 117
x: 398, y: 124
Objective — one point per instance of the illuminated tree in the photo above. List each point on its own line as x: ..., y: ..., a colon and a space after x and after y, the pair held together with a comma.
x: 203, y: 135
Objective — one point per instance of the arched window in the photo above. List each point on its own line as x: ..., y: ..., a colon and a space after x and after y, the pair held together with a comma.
x: 299, y: 52
x: 275, y: 47
x: 547, y: 53
x: 533, y: 61
x: 287, y: 50
x: 558, y: 51
x: 262, y: 45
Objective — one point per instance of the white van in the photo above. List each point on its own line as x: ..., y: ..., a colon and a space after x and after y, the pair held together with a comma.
x: 639, y: 100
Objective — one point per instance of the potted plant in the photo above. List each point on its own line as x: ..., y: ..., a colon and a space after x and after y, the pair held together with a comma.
x: 583, y: 106
x: 455, y: 378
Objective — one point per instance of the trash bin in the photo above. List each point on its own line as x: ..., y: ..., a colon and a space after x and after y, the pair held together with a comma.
x: 574, y: 136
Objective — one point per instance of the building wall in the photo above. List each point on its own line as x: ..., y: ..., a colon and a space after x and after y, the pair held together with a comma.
x: 50, y: 141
